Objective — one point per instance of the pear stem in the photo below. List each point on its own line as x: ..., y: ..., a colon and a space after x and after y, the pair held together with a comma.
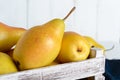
x: 69, y: 13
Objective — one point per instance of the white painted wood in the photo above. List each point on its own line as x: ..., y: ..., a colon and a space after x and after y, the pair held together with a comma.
x: 60, y: 9
x: 39, y: 12
x: 109, y: 20
x: 67, y: 71
x: 99, y: 77
x: 42, y: 11
x: 85, y: 17
x: 13, y: 12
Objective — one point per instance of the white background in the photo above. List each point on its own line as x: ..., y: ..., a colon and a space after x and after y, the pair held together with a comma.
x: 99, y: 19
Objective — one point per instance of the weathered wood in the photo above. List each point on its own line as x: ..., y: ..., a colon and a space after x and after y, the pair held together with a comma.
x: 66, y: 71
x: 99, y: 77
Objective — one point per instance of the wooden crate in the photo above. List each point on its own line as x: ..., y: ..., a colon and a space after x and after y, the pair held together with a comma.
x: 67, y: 71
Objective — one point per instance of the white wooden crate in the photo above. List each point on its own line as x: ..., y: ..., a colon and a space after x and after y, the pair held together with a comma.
x: 67, y: 71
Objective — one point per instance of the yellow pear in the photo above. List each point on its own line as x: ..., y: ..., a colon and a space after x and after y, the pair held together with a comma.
x: 10, y: 52
x: 53, y: 63
x: 6, y: 64
x: 74, y: 48
x: 9, y: 36
x: 40, y: 45
x: 94, y: 43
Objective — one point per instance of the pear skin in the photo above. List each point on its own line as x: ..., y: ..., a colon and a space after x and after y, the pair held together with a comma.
x: 10, y: 53
x: 40, y: 45
x: 6, y: 64
x: 74, y: 48
x: 9, y: 36
x: 94, y: 43
x: 54, y: 63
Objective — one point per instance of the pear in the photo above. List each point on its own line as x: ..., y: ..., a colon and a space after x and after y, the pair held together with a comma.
x: 6, y: 64
x: 74, y: 48
x: 54, y: 63
x: 40, y: 45
x: 94, y: 43
x: 9, y: 36
x: 10, y: 52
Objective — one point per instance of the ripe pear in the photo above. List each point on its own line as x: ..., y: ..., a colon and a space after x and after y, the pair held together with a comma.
x: 10, y: 52
x: 9, y: 36
x: 40, y: 45
x: 54, y: 63
x: 74, y: 48
x: 94, y: 43
x: 6, y: 64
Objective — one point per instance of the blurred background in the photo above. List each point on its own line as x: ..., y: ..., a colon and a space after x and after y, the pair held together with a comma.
x: 99, y: 19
